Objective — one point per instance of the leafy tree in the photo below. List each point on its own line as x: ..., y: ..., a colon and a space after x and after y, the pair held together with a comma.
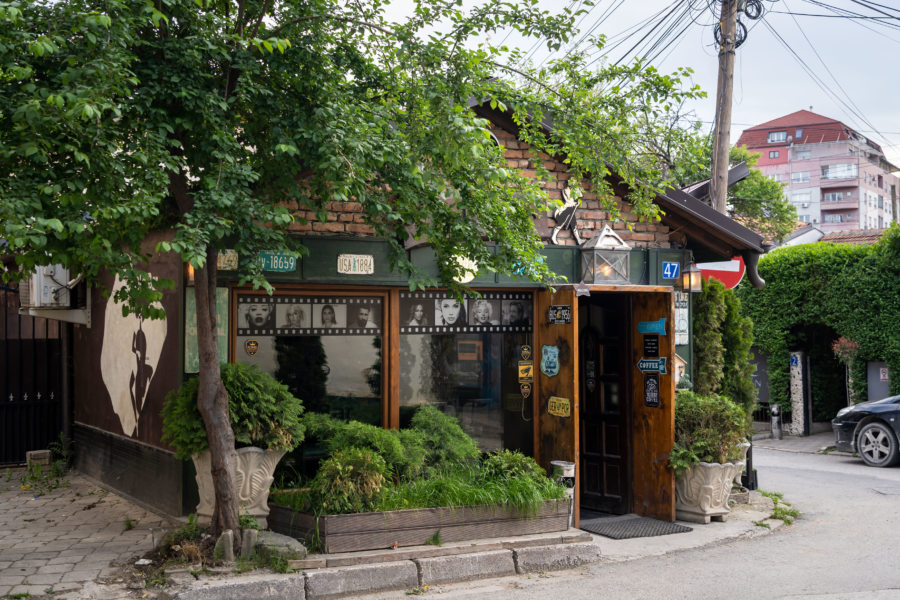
x: 685, y: 153
x: 224, y: 122
x: 758, y: 201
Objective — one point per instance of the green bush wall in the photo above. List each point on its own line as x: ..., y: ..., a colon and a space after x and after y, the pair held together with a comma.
x: 853, y: 290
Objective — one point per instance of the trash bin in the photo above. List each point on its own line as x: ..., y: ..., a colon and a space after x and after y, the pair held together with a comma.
x: 564, y: 474
x: 777, y: 432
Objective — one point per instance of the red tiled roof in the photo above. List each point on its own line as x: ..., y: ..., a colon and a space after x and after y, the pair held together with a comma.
x: 853, y: 236
x: 816, y: 130
x: 801, y: 118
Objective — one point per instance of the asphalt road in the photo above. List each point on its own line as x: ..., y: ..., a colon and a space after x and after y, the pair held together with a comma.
x: 846, y: 545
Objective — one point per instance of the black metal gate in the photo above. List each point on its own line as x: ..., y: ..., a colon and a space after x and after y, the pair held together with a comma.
x: 31, y: 380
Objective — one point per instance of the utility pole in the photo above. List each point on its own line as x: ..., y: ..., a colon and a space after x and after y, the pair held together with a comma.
x: 722, y: 142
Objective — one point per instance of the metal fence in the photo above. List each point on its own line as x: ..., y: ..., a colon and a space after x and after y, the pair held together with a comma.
x: 30, y: 380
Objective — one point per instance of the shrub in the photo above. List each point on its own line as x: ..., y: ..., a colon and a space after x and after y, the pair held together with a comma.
x: 443, y: 438
x: 386, y: 443
x: 707, y: 429
x: 263, y: 413
x: 350, y: 481
x: 505, y: 464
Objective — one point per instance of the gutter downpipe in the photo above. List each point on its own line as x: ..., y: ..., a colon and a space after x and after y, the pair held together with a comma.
x: 751, y: 261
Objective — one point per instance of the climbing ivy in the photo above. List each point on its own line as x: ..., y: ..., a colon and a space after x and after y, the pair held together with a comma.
x: 853, y: 290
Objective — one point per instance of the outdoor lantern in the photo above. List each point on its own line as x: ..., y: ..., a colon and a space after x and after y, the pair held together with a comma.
x: 605, y: 258
x: 691, y: 279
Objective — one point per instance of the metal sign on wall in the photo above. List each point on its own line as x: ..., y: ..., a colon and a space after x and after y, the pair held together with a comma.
x: 559, y: 407
x: 559, y: 314
x: 355, y: 264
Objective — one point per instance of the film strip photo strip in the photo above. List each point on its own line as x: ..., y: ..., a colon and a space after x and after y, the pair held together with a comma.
x: 438, y: 312
x: 285, y: 315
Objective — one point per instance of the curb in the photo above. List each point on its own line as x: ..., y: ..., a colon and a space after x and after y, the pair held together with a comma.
x: 337, y: 582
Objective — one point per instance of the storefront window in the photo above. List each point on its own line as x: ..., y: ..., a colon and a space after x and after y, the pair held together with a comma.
x: 463, y: 357
x: 326, y: 349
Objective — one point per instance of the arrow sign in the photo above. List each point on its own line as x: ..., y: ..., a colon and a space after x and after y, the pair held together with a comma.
x: 652, y: 365
x: 653, y: 326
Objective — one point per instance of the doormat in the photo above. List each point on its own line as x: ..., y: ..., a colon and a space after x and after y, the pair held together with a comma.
x: 631, y: 527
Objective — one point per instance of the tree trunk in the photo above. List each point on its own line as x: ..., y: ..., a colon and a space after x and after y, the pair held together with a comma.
x: 212, y: 401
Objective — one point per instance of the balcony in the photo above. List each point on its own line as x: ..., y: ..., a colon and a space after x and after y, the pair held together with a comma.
x: 839, y: 204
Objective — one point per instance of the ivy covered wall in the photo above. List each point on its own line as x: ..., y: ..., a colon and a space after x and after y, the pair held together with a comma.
x: 850, y: 291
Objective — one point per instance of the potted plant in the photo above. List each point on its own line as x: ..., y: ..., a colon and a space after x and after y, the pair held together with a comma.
x: 709, y: 433
x: 266, y: 419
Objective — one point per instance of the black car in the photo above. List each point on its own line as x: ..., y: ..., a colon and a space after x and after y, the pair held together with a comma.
x: 871, y: 429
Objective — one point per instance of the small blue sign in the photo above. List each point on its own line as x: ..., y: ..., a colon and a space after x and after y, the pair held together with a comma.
x: 653, y: 326
x: 652, y: 365
x: 670, y: 270
x: 795, y: 360
x: 549, y: 360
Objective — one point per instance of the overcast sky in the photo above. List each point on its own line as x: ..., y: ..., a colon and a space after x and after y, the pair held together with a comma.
x: 852, y: 58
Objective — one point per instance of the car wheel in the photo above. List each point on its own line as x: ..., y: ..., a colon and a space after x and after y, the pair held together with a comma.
x: 877, y: 445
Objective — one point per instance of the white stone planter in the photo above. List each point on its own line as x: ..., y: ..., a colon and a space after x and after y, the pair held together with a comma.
x: 254, y: 474
x: 745, y: 447
x: 701, y: 492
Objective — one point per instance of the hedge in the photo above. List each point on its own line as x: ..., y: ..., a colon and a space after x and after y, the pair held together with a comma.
x: 853, y: 290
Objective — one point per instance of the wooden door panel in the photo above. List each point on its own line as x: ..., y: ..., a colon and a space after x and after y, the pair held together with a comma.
x: 612, y: 441
x: 653, y: 427
x: 613, y: 482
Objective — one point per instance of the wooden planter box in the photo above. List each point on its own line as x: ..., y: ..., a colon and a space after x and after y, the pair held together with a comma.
x: 414, y: 527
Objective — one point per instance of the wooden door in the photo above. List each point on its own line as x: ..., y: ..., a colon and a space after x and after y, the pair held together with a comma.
x: 605, y: 481
x: 653, y: 422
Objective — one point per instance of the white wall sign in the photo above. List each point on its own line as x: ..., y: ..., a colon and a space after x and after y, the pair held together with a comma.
x: 355, y: 264
x: 682, y: 321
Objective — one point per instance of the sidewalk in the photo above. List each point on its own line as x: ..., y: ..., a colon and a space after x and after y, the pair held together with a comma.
x: 818, y: 442
x: 81, y: 542
x: 60, y: 543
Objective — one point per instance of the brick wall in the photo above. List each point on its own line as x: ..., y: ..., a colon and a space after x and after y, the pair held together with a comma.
x: 591, y: 216
x: 346, y: 218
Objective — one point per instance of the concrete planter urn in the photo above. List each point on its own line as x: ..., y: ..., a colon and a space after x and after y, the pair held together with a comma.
x: 745, y: 447
x: 254, y: 473
x: 701, y: 492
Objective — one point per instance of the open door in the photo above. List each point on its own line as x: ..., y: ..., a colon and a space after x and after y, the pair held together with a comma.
x: 605, y: 405
x: 653, y: 414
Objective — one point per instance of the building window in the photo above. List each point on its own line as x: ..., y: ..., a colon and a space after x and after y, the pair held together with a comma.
x: 774, y: 176
x: 801, y: 197
x: 777, y: 136
x: 774, y: 154
x: 805, y: 218
x: 880, y: 201
x: 833, y: 196
x: 800, y: 177
x: 834, y: 218
x: 326, y: 349
x: 798, y: 134
x: 802, y: 154
x: 470, y: 368
x: 841, y: 171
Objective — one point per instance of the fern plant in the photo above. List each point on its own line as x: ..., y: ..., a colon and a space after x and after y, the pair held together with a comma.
x: 263, y: 413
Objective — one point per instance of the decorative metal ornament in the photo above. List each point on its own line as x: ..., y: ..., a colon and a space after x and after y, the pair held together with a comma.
x: 251, y: 347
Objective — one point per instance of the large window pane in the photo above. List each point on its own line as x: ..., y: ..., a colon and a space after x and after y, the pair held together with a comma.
x: 463, y: 357
x: 327, y: 350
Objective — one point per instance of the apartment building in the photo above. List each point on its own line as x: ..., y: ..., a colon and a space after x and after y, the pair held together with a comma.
x: 836, y: 177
